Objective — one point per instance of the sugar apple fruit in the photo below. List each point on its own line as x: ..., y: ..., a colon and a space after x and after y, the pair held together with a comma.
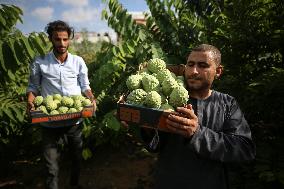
x: 80, y: 109
x: 180, y: 81
x: 58, y: 102
x: 136, y: 97
x: 173, y: 75
x: 180, y: 77
x: 38, y: 100
x: 42, y: 108
x: 153, y: 100
x: 63, y: 109
x: 134, y: 82
x: 150, y: 83
x: 46, y: 99
x: 155, y: 65
x: 67, y: 101
x: 86, y: 102
x: 54, y: 112
x: 78, y: 97
x: 57, y: 97
x: 166, y: 106
x: 51, y: 105
x: 168, y: 85
x: 163, y: 74
x: 77, y: 104
x: 163, y: 98
x: 178, y: 97
x: 72, y: 110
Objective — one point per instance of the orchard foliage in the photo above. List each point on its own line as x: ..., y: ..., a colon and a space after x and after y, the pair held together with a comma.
x: 248, y: 33
x: 16, y: 52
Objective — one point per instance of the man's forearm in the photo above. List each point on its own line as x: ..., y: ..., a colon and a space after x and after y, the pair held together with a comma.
x: 30, y: 106
x: 30, y: 96
x: 89, y: 95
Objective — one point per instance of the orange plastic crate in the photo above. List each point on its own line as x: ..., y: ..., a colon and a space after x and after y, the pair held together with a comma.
x: 39, y: 116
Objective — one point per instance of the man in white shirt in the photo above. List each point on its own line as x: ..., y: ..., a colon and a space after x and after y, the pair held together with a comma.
x: 60, y: 72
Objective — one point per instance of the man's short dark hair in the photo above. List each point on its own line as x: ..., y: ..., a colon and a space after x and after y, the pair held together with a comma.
x: 59, y: 25
x: 215, y: 52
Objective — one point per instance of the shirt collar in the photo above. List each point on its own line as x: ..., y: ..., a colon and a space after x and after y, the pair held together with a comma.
x: 54, y: 57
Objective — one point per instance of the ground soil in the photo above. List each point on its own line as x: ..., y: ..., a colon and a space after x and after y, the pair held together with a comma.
x: 125, y: 167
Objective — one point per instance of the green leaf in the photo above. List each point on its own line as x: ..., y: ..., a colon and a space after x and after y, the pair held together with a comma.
x: 157, y: 51
x: 121, y: 58
x: 121, y: 50
x: 37, y: 44
x: 114, y: 51
x: 111, y: 5
x: 43, y: 38
x: 11, y: 44
x: 12, y: 14
x: 104, y: 14
x: 2, y: 21
x: 2, y: 62
x: 18, y: 12
x: 19, y: 113
x: 11, y: 75
x: 130, y: 48
x: 9, y: 113
x: 111, y: 121
x: 142, y: 35
x: 27, y: 47
x: 86, y: 153
x: 19, y: 52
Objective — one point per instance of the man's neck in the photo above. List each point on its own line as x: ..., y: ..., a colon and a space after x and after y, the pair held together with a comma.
x: 61, y: 57
x: 201, y: 95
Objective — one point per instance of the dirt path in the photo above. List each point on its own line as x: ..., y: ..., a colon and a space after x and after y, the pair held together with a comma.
x: 127, y: 167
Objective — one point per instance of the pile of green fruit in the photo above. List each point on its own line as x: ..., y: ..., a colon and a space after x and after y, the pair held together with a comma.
x: 156, y: 87
x: 57, y: 104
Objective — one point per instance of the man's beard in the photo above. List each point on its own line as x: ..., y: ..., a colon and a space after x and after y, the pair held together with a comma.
x: 57, y: 51
x: 200, y: 87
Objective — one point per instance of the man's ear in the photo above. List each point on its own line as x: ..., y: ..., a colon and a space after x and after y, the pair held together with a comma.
x: 219, y: 71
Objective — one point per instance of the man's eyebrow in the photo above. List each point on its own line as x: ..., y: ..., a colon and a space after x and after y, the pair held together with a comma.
x: 190, y: 61
x: 202, y: 62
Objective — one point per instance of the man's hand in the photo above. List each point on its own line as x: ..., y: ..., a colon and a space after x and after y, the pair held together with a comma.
x: 30, y: 104
x: 185, y: 123
x: 95, y: 105
x: 124, y: 124
x: 91, y: 97
x: 30, y: 107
